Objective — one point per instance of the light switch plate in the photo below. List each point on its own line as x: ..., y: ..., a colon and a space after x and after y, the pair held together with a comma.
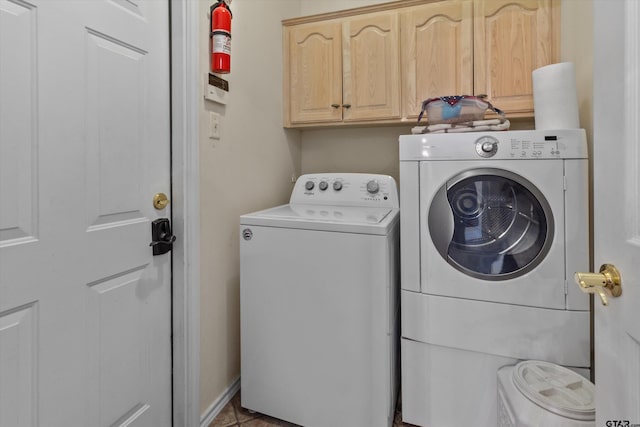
x: 214, y: 125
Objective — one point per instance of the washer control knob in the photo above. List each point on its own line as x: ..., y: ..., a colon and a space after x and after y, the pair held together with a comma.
x: 373, y: 187
x: 337, y: 185
x: 487, y: 146
x: 323, y: 185
x: 309, y: 185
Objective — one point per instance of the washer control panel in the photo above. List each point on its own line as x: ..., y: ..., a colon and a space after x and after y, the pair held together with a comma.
x: 346, y: 189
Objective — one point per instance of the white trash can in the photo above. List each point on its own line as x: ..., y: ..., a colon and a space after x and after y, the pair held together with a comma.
x: 535, y: 393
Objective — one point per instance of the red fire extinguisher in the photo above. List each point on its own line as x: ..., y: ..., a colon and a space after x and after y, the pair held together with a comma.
x: 220, y: 37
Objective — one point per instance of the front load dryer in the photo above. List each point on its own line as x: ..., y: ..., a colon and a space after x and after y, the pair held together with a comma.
x: 319, y: 303
x: 493, y: 227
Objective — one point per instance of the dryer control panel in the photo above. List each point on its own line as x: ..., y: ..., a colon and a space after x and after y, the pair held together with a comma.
x: 346, y: 189
x: 505, y: 145
x: 546, y: 147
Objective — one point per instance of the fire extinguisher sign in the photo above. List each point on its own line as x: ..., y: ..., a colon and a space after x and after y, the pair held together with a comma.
x: 221, y: 37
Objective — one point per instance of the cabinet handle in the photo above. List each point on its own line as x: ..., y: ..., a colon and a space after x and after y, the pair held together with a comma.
x: 346, y: 105
x: 335, y: 105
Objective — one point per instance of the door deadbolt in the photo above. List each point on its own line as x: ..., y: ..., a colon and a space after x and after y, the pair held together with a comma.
x: 160, y: 201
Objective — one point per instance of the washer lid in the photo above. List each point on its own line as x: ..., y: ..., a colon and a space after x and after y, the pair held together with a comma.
x: 556, y: 389
x: 349, y: 219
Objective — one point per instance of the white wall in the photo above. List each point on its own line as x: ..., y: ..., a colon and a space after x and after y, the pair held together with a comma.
x: 576, y: 45
x: 363, y: 150
x: 249, y: 168
x: 311, y: 7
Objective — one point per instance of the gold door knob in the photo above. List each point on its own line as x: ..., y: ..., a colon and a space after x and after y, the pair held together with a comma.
x: 606, y: 283
x: 160, y: 201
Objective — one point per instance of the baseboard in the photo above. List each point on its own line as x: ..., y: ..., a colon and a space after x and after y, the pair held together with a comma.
x: 212, y: 411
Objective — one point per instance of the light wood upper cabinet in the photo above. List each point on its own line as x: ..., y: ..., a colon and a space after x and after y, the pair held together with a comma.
x: 342, y: 70
x: 313, y: 73
x: 377, y: 64
x: 436, y: 48
x: 511, y: 39
x: 371, y: 67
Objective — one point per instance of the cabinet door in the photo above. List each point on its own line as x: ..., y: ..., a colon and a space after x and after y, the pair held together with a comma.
x: 371, y: 77
x: 313, y: 72
x: 513, y: 38
x: 436, y: 51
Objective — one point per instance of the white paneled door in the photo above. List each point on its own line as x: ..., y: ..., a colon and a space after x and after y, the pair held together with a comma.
x: 85, y: 308
x: 616, y: 160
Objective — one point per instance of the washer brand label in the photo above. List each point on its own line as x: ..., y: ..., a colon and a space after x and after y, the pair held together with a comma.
x: 247, y: 234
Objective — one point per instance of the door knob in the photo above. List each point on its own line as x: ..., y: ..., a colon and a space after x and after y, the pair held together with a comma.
x: 606, y: 283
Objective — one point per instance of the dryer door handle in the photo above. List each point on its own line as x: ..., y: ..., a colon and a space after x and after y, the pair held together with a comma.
x: 440, y: 222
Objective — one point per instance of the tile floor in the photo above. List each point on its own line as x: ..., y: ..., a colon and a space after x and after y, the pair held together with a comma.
x: 234, y: 415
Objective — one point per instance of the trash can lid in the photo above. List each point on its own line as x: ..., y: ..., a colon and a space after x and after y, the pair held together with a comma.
x: 556, y: 389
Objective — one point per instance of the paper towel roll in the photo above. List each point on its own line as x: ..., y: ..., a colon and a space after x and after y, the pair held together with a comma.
x: 554, y: 97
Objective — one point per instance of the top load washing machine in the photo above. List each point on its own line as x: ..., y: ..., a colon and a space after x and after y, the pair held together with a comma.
x: 493, y: 227
x: 319, y: 303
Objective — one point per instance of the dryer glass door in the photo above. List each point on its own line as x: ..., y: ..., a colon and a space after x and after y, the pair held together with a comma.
x: 502, y: 225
